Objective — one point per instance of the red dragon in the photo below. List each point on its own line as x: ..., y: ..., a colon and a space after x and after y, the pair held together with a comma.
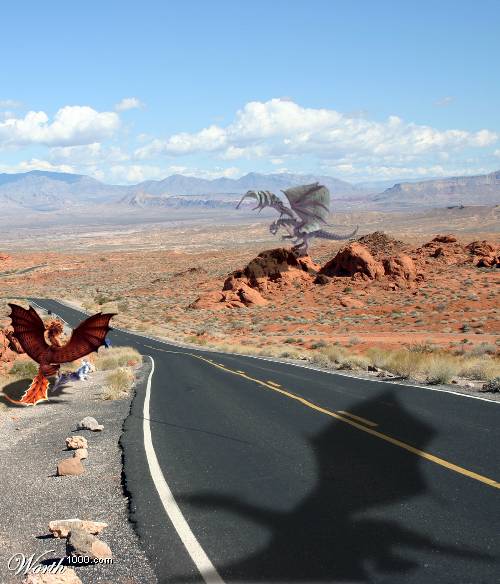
x: 29, y: 330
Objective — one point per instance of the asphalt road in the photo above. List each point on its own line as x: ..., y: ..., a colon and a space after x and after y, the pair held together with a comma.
x: 269, y: 472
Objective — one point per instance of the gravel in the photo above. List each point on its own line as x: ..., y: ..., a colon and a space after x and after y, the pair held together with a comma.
x: 32, y: 441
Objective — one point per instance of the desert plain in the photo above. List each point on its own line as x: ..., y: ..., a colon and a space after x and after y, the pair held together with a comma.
x: 424, y: 286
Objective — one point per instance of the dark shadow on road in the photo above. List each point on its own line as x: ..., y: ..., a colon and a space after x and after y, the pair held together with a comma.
x: 339, y: 533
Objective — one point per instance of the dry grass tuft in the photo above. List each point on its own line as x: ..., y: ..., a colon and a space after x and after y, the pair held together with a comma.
x: 114, y: 357
x: 118, y: 383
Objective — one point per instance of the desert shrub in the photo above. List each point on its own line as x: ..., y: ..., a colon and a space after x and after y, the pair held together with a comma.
x: 318, y: 345
x: 334, y: 353
x: 440, y: 368
x: 483, y: 349
x: 24, y: 369
x: 484, y: 368
x: 118, y: 381
x: 378, y: 357
x: 354, y: 362
x: 404, y: 363
x: 422, y: 348
x: 117, y: 357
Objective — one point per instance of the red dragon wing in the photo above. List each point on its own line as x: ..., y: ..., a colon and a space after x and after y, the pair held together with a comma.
x: 29, y: 330
x: 86, y: 338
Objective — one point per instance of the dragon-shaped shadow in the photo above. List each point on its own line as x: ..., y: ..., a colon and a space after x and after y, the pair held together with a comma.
x: 338, y: 533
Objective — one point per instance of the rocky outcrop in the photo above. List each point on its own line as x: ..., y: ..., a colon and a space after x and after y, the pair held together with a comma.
x: 380, y: 245
x: 354, y: 260
x: 447, y: 249
x: 485, y: 254
x: 375, y: 259
x: 401, y: 268
x: 240, y: 296
x: 279, y: 266
x: 271, y: 270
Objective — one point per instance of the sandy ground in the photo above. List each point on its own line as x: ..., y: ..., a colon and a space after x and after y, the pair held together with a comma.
x: 32, y: 441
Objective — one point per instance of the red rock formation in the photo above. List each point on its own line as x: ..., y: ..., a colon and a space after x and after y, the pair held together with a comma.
x: 353, y: 260
x: 278, y: 266
x: 401, y: 268
x: 486, y: 254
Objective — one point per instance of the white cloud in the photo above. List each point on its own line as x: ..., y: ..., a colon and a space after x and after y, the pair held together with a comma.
x: 444, y: 101
x: 350, y: 171
x: 72, y: 125
x: 135, y: 173
x: 10, y: 104
x: 128, y: 103
x: 497, y: 153
x: 279, y: 128
x: 88, y: 154
x: 37, y: 164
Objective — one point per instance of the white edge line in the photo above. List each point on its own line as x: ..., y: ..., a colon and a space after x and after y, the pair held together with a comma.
x: 193, y: 547
x: 351, y: 376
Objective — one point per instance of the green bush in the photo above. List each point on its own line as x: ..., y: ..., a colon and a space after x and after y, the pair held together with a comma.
x: 24, y: 369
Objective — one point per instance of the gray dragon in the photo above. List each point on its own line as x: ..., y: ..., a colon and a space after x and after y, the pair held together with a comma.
x: 308, y: 211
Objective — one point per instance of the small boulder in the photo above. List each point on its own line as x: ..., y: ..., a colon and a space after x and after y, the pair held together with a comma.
x: 62, y: 528
x: 90, y: 423
x: 67, y: 577
x: 70, y: 467
x: 81, y: 543
x: 81, y: 453
x: 74, y: 442
x: 486, y: 254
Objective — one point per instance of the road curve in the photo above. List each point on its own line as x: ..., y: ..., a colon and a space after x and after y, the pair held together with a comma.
x: 286, y: 474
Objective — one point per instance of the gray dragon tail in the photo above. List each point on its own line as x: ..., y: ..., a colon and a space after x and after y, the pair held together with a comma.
x: 322, y: 234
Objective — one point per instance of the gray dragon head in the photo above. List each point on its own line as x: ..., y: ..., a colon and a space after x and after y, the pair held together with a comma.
x: 264, y: 199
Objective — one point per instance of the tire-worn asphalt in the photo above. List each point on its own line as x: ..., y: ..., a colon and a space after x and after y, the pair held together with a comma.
x: 276, y: 491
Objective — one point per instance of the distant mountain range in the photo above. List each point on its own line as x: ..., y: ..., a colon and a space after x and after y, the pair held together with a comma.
x: 47, y: 191
x: 482, y: 189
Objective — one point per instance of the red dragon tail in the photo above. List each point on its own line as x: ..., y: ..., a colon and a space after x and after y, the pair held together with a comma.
x: 35, y: 393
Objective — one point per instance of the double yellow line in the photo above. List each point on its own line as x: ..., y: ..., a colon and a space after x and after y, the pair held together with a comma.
x: 347, y: 418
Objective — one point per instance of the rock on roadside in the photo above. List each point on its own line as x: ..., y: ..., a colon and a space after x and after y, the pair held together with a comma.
x: 81, y: 453
x: 74, y: 442
x: 61, y: 528
x: 67, y: 577
x: 70, y: 467
x: 81, y: 543
x: 90, y: 423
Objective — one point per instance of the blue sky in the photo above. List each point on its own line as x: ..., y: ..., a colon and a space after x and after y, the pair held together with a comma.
x: 361, y: 90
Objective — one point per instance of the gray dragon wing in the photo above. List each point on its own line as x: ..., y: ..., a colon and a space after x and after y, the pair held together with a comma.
x: 311, y: 203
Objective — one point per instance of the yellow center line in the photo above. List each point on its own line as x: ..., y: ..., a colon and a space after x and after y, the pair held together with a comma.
x: 342, y: 418
x: 358, y: 418
x: 274, y: 384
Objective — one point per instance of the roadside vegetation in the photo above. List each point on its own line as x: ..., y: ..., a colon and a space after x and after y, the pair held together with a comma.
x: 422, y: 363
x: 115, y: 357
x: 119, y: 364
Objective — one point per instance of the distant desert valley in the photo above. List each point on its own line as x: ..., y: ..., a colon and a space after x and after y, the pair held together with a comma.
x: 413, y: 295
